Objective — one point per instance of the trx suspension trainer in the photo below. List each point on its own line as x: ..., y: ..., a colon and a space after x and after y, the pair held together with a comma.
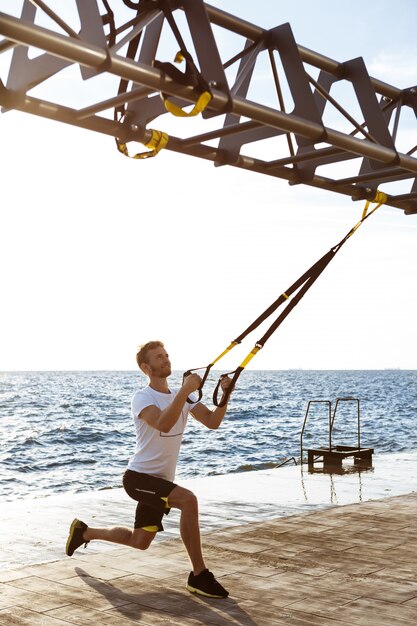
x: 299, y: 288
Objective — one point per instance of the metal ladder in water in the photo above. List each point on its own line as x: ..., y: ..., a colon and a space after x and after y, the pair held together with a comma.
x: 332, y: 456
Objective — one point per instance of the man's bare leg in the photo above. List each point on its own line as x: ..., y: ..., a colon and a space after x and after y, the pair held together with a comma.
x: 186, y: 501
x: 80, y: 533
x: 137, y: 538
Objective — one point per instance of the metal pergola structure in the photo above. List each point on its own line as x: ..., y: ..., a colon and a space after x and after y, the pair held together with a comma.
x: 297, y: 143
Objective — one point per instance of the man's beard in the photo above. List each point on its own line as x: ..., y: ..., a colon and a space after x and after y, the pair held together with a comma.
x: 163, y: 371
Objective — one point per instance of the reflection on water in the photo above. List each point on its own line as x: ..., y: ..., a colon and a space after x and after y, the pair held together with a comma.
x: 352, y: 469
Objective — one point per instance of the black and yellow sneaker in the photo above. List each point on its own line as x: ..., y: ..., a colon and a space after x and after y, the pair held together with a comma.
x: 75, y: 537
x: 206, y: 585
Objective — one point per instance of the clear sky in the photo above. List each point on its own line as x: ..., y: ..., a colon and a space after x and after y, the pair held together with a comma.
x: 100, y: 253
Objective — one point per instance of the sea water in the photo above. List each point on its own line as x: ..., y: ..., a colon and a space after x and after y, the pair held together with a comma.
x: 73, y: 432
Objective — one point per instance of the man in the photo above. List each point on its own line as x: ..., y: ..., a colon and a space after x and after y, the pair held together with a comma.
x: 160, y: 416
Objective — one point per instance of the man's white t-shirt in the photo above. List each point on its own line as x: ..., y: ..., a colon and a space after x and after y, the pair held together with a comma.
x: 156, y: 453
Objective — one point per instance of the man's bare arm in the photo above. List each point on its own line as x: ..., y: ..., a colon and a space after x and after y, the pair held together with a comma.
x: 167, y: 418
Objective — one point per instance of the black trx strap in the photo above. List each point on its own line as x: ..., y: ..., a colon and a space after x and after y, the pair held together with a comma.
x: 299, y: 288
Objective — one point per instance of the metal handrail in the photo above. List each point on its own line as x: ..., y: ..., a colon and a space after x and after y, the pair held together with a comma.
x: 310, y: 402
x: 348, y: 399
x: 332, y: 417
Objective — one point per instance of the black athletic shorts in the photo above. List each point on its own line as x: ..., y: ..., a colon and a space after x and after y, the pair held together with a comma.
x: 151, y: 494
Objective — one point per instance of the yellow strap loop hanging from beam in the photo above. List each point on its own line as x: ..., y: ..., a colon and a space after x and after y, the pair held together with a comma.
x: 203, y: 99
x: 199, y: 106
x: 157, y: 142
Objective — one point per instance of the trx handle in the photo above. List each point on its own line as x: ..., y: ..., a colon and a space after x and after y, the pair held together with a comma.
x: 208, y: 368
x: 203, y: 380
x: 226, y: 394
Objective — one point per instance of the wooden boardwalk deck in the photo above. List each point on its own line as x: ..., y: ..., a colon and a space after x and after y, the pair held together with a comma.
x: 354, y: 564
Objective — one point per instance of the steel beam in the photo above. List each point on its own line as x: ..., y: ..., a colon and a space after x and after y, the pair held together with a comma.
x: 381, y: 161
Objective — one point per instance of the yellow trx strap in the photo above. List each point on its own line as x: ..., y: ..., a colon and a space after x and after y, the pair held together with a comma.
x: 230, y: 347
x: 157, y: 142
x: 199, y: 106
x: 380, y: 198
x: 250, y: 356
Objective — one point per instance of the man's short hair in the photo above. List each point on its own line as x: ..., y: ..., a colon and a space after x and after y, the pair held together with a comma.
x: 142, y: 353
